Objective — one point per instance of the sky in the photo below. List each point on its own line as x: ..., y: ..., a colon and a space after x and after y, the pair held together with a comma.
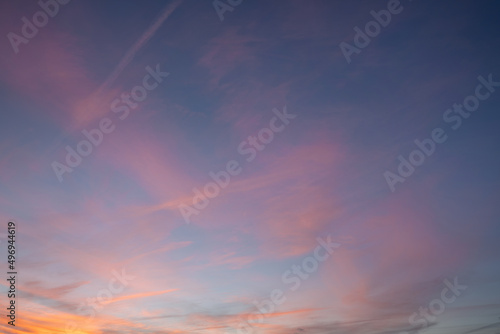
x: 250, y: 166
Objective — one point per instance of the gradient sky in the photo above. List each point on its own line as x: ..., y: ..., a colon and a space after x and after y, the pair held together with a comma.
x: 323, y: 175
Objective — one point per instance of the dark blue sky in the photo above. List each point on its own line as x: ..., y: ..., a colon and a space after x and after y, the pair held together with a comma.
x: 212, y: 159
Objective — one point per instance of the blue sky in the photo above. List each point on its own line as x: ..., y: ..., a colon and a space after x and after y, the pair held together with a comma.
x: 126, y: 130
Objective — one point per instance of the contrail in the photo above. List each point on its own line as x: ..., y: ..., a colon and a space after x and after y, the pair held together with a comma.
x: 139, y: 44
x: 145, y: 37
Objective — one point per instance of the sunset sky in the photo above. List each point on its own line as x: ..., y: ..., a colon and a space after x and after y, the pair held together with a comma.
x: 118, y: 116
